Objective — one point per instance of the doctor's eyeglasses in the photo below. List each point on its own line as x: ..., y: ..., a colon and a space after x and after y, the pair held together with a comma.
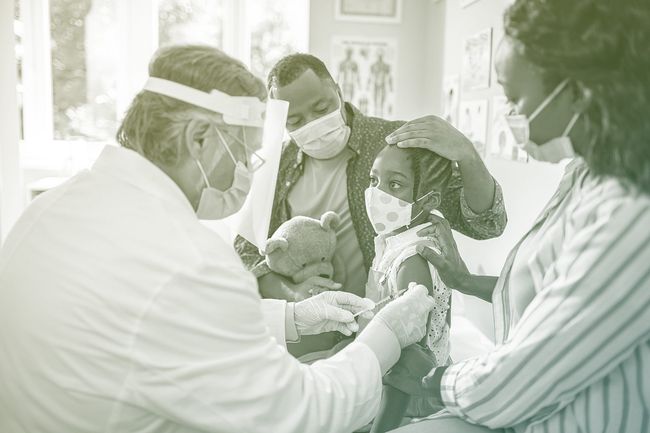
x: 253, y: 160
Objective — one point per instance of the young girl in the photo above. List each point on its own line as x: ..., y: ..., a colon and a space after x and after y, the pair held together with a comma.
x: 405, y: 186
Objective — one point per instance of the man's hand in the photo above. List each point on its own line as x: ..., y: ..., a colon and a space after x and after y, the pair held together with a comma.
x: 435, y: 134
x: 331, y: 311
x: 447, y: 260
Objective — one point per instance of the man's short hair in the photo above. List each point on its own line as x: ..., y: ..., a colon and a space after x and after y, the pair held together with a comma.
x: 289, y: 68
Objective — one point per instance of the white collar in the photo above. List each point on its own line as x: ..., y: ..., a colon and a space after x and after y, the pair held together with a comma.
x: 131, y: 167
x: 409, y: 236
x: 406, y: 237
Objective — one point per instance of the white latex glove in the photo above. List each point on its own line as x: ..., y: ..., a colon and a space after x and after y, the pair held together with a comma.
x: 407, y: 315
x: 330, y: 311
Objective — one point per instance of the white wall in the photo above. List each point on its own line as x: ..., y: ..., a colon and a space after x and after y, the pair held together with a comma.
x: 526, y: 186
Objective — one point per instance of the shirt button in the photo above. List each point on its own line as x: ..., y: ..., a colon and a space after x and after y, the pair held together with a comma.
x: 288, y: 183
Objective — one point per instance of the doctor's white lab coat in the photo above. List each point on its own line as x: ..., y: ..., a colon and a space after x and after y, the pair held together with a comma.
x: 120, y: 312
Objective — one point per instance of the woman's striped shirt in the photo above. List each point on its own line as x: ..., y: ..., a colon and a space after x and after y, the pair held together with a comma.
x: 572, y: 318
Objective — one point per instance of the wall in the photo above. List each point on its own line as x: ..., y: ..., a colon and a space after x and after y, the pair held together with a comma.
x: 421, y: 28
x: 526, y: 187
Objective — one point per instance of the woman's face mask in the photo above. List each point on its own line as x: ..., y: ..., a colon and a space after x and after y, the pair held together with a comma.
x: 553, y: 150
x: 215, y: 204
x: 325, y: 137
x: 388, y: 213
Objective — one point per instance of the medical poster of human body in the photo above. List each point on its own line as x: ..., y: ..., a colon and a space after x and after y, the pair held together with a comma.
x: 502, y: 143
x: 365, y: 71
x: 477, y: 61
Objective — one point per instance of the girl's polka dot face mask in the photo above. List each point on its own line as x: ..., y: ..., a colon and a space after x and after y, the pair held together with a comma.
x: 387, y: 213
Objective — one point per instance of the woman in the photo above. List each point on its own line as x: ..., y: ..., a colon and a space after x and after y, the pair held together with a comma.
x: 122, y: 312
x: 572, y: 304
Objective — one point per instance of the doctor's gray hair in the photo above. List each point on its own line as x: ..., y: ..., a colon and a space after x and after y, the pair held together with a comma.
x: 155, y: 125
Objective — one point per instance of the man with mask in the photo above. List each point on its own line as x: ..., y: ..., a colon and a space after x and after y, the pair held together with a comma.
x: 325, y: 167
x: 121, y: 312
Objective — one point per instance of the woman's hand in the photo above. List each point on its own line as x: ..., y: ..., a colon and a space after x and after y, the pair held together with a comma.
x: 331, y: 311
x: 447, y: 261
x: 435, y: 134
x: 450, y: 265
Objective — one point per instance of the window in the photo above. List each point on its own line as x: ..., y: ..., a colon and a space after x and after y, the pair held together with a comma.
x: 191, y: 21
x: 277, y: 28
x: 84, y: 69
x: 80, y: 62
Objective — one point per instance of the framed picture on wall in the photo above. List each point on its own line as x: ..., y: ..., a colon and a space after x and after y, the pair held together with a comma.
x: 473, y: 123
x: 365, y: 69
x: 378, y: 11
x: 477, y: 61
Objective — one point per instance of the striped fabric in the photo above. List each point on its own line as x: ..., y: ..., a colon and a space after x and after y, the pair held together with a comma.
x: 572, y: 317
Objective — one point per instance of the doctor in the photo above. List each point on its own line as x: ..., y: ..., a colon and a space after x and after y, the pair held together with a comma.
x: 121, y: 312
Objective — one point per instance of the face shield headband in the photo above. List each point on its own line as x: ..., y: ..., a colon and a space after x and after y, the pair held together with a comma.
x: 253, y: 220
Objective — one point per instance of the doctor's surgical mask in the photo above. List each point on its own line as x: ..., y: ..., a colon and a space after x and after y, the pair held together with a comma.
x: 553, y: 150
x: 325, y: 137
x: 388, y: 213
x: 215, y: 204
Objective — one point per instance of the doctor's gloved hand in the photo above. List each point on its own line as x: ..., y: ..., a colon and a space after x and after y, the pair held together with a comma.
x: 330, y: 311
x: 407, y: 315
x: 398, y: 325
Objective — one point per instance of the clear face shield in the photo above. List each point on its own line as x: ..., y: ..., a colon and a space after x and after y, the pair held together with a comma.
x: 253, y: 219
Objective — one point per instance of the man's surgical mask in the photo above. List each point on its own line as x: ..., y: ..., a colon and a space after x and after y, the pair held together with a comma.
x: 386, y: 212
x: 325, y: 137
x: 553, y: 150
x: 215, y: 204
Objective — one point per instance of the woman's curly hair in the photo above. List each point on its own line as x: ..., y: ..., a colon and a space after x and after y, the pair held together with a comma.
x: 603, y: 48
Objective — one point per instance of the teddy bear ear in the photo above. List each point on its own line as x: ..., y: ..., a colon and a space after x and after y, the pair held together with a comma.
x: 330, y: 220
x: 274, y: 244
